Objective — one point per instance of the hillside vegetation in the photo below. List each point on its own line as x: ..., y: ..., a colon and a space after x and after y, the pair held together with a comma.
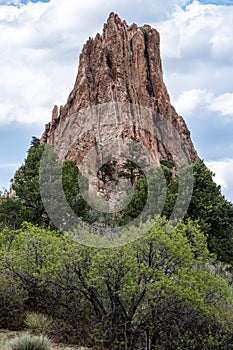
x: 6, y: 338
x: 168, y: 289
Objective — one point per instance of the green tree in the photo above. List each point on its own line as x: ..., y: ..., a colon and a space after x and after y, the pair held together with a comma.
x: 12, y: 213
x: 208, y: 206
x: 28, y: 204
x: 71, y: 179
x: 26, y: 186
x: 157, y: 287
x: 35, y: 142
x: 213, y: 211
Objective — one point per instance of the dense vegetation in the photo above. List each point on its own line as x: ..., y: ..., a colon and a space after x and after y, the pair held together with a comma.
x: 169, y: 289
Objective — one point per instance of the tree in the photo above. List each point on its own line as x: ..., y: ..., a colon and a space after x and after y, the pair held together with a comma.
x: 71, y: 179
x: 208, y: 206
x: 26, y: 186
x: 213, y: 211
x: 28, y: 189
x: 35, y: 142
x: 12, y: 213
x: 157, y: 287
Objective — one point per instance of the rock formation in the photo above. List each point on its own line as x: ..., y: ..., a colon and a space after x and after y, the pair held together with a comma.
x: 119, y: 70
x: 121, y: 65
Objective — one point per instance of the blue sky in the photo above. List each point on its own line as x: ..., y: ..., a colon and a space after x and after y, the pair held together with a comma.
x: 214, y: 2
x: 39, y: 47
x: 211, y: 2
x: 19, y: 2
x: 217, y: 2
x: 26, y: 1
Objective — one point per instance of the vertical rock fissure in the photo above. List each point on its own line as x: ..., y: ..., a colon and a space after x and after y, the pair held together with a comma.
x: 149, y: 85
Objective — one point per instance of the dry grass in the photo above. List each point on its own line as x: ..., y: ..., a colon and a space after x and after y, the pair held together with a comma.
x: 7, y: 336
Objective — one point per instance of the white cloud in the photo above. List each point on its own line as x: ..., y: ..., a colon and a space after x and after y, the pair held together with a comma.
x: 223, y: 171
x: 192, y: 30
x: 39, y: 46
x: 223, y: 104
x: 197, y: 49
x: 189, y: 102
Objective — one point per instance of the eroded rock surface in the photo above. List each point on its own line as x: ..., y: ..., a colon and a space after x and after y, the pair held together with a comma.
x: 121, y: 65
x: 119, y: 96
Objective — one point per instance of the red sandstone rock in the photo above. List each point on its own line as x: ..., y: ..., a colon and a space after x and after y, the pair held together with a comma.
x: 121, y: 65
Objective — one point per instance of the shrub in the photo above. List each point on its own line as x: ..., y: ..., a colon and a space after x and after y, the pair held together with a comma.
x: 28, y: 342
x: 37, y: 323
x: 12, y: 302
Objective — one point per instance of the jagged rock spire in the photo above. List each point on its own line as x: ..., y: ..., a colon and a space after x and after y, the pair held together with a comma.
x: 123, y: 64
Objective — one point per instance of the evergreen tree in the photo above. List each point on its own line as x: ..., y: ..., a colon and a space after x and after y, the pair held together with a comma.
x: 213, y: 211
x: 26, y: 186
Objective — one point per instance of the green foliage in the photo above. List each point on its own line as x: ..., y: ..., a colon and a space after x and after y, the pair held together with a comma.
x: 27, y: 205
x: 136, y: 205
x: 28, y: 342
x: 26, y: 185
x: 107, y: 170
x: 25, y: 256
x: 208, y: 206
x: 12, y: 302
x: 154, y: 195
x: 12, y: 212
x: 166, y: 164
x: 35, y: 142
x: 37, y: 322
x: 172, y: 183
x: 71, y: 180
x: 159, y: 284
x: 213, y: 211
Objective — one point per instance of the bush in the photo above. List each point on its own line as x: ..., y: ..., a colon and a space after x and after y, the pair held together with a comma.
x: 12, y: 302
x: 37, y: 323
x: 28, y: 342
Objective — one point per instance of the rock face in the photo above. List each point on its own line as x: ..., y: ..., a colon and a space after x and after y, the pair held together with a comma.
x: 121, y: 70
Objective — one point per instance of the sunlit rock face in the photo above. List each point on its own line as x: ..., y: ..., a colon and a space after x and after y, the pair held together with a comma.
x: 119, y: 97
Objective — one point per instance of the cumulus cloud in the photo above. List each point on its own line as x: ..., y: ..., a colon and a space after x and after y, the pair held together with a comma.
x: 223, y: 104
x: 39, y: 51
x: 39, y: 44
x: 197, y: 50
x: 190, y: 101
x: 223, y: 171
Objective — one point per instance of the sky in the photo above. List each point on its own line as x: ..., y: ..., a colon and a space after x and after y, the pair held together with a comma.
x: 40, y: 42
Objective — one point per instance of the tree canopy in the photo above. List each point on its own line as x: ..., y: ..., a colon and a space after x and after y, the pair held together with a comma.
x: 158, y: 287
x: 165, y: 290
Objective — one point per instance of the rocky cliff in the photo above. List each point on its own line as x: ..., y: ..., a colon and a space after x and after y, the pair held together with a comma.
x: 120, y: 70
